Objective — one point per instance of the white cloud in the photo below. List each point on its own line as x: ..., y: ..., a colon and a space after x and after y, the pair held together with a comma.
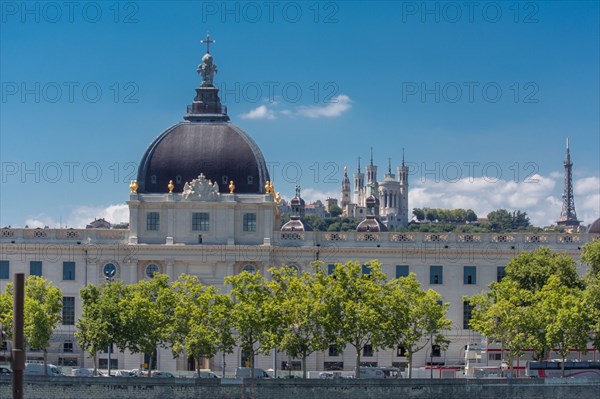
x: 81, y: 216
x: 336, y: 107
x: 261, y: 112
x: 539, y: 196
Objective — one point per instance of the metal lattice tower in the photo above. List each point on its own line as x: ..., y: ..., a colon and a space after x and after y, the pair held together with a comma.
x: 568, y: 216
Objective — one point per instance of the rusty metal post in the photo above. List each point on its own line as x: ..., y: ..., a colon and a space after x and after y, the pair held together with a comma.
x: 18, y: 353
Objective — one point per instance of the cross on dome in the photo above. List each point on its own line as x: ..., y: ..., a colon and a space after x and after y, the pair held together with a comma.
x: 208, y: 42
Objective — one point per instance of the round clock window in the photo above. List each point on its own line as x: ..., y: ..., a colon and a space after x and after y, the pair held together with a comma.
x: 109, y: 270
x: 152, y: 269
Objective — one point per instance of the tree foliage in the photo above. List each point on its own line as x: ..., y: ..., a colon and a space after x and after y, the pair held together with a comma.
x: 43, y: 307
x: 502, y: 220
x: 354, y: 303
x: 146, y: 309
x: 254, y: 320
x: 591, y: 257
x: 414, y: 318
x: 300, y: 302
x: 200, y: 325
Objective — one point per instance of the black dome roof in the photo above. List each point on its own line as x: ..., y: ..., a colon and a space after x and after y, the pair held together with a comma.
x: 219, y: 150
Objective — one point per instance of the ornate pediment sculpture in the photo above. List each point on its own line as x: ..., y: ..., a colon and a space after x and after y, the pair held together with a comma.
x: 201, y: 189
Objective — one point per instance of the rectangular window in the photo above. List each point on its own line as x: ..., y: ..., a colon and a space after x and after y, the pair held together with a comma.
x: 4, y: 269
x: 436, y: 351
x: 495, y: 356
x: 68, y: 346
x: 334, y: 350
x: 368, y: 351
x: 249, y: 221
x: 500, y: 273
x: 332, y: 366
x: 114, y: 364
x: 401, y: 271
x: 330, y: 268
x: 153, y: 221
x: 68, y: 270
x: 436, y: 274
x: 470, y: 275
x: 366, y: 269
x: 200, y: 221
x: 67, y: 361
x: 467, y: 313
x: 68, y: 311
x: 35, y: 268
x: 401, y: 351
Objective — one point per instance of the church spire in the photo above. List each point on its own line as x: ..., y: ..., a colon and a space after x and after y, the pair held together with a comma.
x: 358, y: 164
x: 568, y: 216
x: 390, y: 165
x: 207, y: 105
x: 371, y: 156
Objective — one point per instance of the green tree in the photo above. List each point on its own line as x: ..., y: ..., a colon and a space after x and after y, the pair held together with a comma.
x: 419, y: 214
x: 201, y: 322
x: 43, y: 307
x: 503, y: 313
x: 500, y: 220
x: 335, y: 211
x: 300, y: 302
x: 414, y: 318
x: 100, y: 324
x: 6, y: 309
x: 591, y: 257
x: 431, y: 215
x: 354, y: 305
x: 254, y: 322
x: 471, y: 216
x: 591, y: 298
x: 531, y: 270
x: 145, y: 313
x: 565, y: 317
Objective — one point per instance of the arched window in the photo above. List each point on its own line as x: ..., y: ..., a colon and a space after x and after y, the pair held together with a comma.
x: 152, y: 269
x: 249, y: 268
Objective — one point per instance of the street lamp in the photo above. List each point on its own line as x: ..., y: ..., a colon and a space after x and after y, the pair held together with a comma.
x: 109, y: 272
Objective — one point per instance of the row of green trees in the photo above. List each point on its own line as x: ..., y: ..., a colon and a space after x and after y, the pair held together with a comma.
x: 294, y: 312
x: 42, y: 312
x: 445, y: 215
x: 543, y: 305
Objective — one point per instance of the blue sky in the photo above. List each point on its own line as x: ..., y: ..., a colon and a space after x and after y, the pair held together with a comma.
x: 481, y: 96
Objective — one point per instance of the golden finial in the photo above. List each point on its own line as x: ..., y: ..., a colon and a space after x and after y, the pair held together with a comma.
x: 133, y: 186
x: 231, y: 187
x: 267, y: 188
x: 271, y: 189
x: 171, y: 186
x: 277, y: 198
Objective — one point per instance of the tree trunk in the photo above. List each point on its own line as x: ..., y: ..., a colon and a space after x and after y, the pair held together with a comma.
x: 252, y: 362
x: 562, y: 365
x: 198, y: 366
x: 45, y: 361
x: 149, y: 365
x: 409, y: 357
x: 357, y: 372
x: 304, y: 356
x: 95, y: 363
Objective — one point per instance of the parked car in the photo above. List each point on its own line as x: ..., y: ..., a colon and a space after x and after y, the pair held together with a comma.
x: 86, y: 373
x: 38, y: 369
x: 5, y: 370
x: 125, y: 373
x: 162, y: 374
x: 244, y: 372
x: 205, y: 374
